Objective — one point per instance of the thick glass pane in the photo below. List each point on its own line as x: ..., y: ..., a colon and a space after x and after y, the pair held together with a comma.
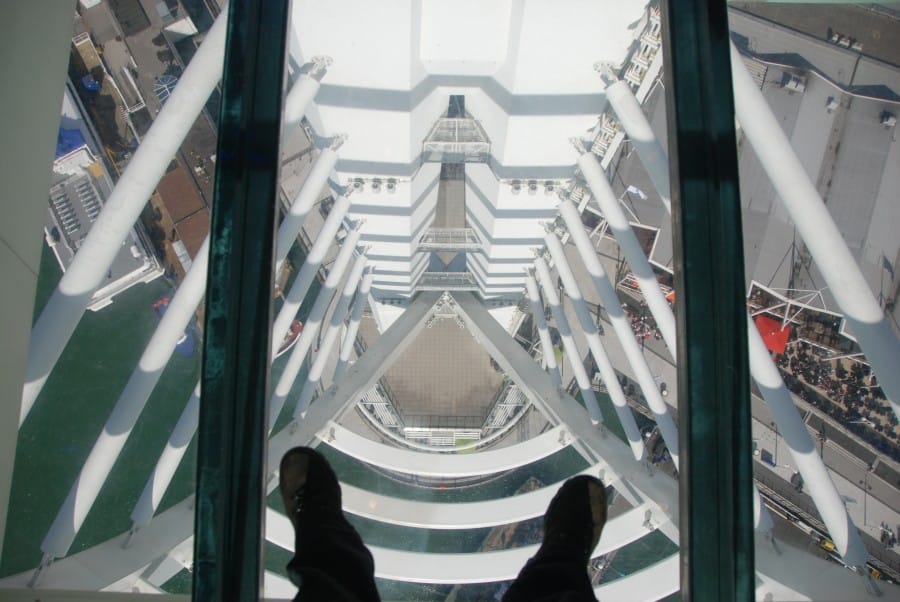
x: 451, y: 406
x: 102, y: 491
x: 815, y: 89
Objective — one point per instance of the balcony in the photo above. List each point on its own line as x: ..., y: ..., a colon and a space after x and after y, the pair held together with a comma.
x: 457, y: 140
x: 447, y: 281
x: 449, y: 239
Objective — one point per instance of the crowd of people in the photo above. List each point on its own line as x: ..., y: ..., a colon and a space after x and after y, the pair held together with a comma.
x: 643, y: 325
x: 850, y: 396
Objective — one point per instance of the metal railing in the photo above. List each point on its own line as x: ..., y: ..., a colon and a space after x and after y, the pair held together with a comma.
x: 447, y: 281
x: 449, y: 239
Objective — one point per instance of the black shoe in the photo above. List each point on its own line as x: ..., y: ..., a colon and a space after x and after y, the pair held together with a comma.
x: 308, y: 485
x: 576, y: 516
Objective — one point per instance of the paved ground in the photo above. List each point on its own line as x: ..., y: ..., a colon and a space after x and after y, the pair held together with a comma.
x: 877, y: 30
x: 444, y: 372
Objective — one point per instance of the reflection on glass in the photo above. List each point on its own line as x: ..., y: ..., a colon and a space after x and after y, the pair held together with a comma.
x: 453, y: 378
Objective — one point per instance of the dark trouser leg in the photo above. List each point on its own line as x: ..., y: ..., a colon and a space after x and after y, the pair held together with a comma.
x: 332, y: 563
x: 558, y: 572
x: 552, y: 577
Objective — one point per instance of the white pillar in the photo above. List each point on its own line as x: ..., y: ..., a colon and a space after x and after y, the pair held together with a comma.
x: 331, y: 334
x: 621, y: 326
x: 304, y: 201
x: 626, y: 418
x: 817, y: 228
x: 803, y: 450
x: 645, y: 142
x: 762, y: 520
x: 84, y: 275
x: 128, y: 408
x: 143, y: 380
x: 631, y: 248
x: 302, y: 282
x: 537, y: 314
x: 168, y: 462
x: 349, y: 341
x: 542, y: 273
x: 311, y: 326
x: 301, y: 94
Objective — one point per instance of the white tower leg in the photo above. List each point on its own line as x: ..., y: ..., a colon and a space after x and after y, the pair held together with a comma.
x: 168, y: 462
x: 301, y: 94
x: 143, y: 380
x: 537, y: 313
x: 331, y: 334
x: 651, y: 152
x: 631, y: 248
x: 304, y: 201
x: 818, y: 230
x: 63, y: 311
x: 803, y: 450
x: 302, y: 282
x: 542, y: 274
x: 311, y: 326
x: 621, y: 326
x: 128, y: 408
x: 589, y: 329
x: 349, y: 340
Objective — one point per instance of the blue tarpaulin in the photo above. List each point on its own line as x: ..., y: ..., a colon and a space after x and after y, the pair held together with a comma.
x: 90, y: 83
x: 67, y: 141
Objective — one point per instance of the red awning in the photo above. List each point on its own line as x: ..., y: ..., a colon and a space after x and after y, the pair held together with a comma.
x: 774, y: 336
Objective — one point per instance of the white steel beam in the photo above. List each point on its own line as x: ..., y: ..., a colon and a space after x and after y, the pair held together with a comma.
x: 470, y: 567
x: 303, y: 280
x: 803, y: 450
x: 631, y: 248
x: 589, y: 329
x: 458, y: 515
x: 639, y: 483
x: 137, y: 391
x: 331, y: 334
x: 349, y: 340
x: 167, y: 463
x: 128, y: 408
x: 576, y: 361
x: 620, y: 324
x: 301, y: 94
x: 359, y: 378
x: 540, y: 322
x: 632, y: 118
x: 304, y: 201
x: 311, y: 326
x: 450, y: 466
x: 817, y: 228
x: 84, y: 275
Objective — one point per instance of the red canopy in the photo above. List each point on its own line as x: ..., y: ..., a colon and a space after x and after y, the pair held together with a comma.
x: 774, y: 336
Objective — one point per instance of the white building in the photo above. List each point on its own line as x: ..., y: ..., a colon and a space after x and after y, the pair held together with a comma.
x: 79, y: 188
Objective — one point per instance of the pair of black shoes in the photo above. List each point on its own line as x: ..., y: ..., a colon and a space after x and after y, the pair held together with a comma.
x: 573, y: 521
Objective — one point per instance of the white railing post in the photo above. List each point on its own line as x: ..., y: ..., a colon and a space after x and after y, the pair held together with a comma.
x: 84, y: 275
x: 542, y: 274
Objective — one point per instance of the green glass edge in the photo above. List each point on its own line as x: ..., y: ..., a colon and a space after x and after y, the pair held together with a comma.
x: 231, y: 454
x: 716, y: 492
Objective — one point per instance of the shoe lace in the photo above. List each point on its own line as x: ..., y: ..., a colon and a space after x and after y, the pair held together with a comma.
x: 298, y: 499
